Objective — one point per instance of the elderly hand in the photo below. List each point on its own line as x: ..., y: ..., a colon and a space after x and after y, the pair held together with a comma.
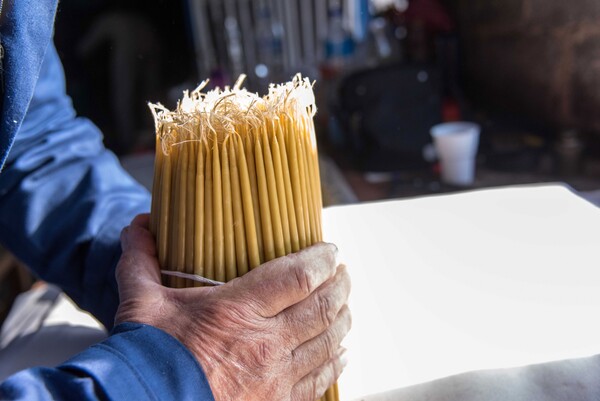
x: 273, y: 334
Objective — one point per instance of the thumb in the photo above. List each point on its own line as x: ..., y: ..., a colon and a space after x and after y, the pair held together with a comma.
x: 137, y: 235
x: 286, y: 281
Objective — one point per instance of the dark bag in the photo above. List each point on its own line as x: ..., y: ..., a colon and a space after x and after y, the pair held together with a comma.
x: 385, y: 115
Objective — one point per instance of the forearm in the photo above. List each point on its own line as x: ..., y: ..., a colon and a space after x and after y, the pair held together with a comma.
x: 137, y: 362
x: 64, y: 198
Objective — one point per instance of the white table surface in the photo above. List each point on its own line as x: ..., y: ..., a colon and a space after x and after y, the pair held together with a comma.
x: 479, y: 280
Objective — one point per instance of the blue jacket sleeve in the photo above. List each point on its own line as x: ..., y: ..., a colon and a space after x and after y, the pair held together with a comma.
x: 63, y: 202
x: 64, y: 198
x: 137, y: 362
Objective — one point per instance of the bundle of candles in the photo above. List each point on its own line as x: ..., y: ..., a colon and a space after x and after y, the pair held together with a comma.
x: 236, y: 181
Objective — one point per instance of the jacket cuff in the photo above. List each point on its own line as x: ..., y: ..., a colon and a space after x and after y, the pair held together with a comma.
x: 142, y: 362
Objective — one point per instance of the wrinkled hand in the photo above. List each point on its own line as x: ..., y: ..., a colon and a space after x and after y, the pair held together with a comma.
x: 273, y: 334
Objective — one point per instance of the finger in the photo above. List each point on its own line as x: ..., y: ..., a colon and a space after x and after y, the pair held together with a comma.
x: 322, y: 348
x: 314, y: 385
x: 141, y: 220
x: 280, y: 283
x: 137, y: 236
x: 137, y: 274
x: 316, y: 313
x: 138, y: 265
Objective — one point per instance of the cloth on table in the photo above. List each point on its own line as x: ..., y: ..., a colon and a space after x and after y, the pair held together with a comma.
x: 44, y: 328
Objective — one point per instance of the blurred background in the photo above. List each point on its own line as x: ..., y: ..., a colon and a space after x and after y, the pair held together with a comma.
x: 386, y: 71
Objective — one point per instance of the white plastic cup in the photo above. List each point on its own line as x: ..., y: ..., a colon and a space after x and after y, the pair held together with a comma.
x: 456, y: 145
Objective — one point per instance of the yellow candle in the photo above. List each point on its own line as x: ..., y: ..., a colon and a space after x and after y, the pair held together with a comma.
x: 251, y: 224
x: 281, y: 194
x: 228, y: 228
x: 174, y: 214
x: 209, y: 269
x: 303, y: 190
x: 200, y: 211
x: 180, y: 211
x: 263, y: 195
x: 278, y: 237
x: 241, y: 252
x: 190, y: 206
x: 249, y: 153
x: 219, y: 241
x: 162, y: 234
x: 236, y: 181
x: 287, y: 183
x: 156, y: 190
x: 296, y: 187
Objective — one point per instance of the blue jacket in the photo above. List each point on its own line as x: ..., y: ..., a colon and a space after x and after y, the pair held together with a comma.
x: 63, y: 202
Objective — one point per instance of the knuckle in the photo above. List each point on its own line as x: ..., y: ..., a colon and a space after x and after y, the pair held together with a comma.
x: 266, y: 358
x: 304, y: 280
x: 321, y: 383
x: 337, y: 369
x: 313, y: 386
x: 127, y: 259
x: 267, y: 353
x: 349, y: 318
x: 329, y: 343
x: 125, y: 231
x: 313, y: 390
x: 264, y: 352
x: 304, y: 391
x: 347, y: 280
x: 332, y: 256
x: 346, y: 318
x: 326, y: 310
